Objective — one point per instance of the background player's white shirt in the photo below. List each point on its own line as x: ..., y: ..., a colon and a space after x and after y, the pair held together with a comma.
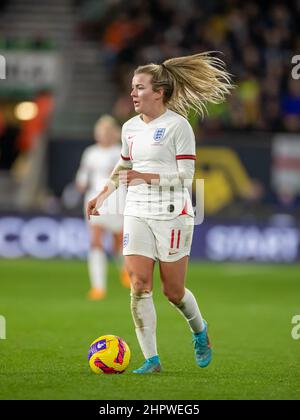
x: 156, y: 147
x: 96, y: 165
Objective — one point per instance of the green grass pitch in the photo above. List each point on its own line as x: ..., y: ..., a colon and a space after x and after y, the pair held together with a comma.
x: 50, y: 326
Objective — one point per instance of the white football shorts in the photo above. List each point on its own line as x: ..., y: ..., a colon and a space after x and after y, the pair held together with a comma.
x: 163, y: 240
x: 111, y: 222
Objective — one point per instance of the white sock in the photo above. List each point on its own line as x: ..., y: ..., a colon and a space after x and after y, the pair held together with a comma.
x: 188, y: 307
x: 97, y: 265
x: 144, y: 317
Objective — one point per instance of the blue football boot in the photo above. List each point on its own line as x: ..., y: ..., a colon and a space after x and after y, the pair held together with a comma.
x: 202, y: 346
x: 151, y: 365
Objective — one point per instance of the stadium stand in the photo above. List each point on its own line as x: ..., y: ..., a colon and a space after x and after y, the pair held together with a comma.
x: 256, y: 38
x: 94, y: 47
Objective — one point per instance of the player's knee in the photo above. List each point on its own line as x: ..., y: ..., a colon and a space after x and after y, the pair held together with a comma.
x: 96, y: 244
x: 140, y: 283
x: 173, y: 295
x: 96, y: 241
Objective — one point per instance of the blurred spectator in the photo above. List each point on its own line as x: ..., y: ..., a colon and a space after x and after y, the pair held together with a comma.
x: 257, y: 41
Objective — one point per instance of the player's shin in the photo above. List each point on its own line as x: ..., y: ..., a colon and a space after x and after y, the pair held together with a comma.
x: 188, y: 307
x: 144, y: 317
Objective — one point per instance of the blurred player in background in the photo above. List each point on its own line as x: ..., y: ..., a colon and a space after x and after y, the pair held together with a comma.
x: 158, y: 163
x: 96, y: 165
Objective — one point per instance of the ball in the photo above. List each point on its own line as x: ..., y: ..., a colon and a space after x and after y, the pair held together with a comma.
x: 109, y: 354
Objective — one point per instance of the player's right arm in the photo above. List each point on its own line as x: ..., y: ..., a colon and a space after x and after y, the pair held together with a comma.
x: 123, y: 164
x: 82, y: 176
x: 94, y: 205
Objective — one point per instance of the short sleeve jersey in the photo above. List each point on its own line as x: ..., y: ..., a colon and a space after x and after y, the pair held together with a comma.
x: 156, y: 147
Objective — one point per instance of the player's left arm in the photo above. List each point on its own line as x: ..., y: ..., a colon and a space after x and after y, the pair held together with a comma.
x: 82, y: 175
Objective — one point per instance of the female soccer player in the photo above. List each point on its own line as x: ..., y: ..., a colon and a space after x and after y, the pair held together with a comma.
x: 96, y: 165
x: 157, y: 163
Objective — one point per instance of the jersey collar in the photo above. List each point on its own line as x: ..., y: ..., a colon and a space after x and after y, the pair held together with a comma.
x: 155, y: 119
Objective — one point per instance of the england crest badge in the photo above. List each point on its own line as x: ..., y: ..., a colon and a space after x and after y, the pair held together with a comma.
x: 159, y: 134
x: 125, y: 240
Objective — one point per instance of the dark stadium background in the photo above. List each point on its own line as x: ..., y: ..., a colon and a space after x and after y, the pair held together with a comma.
x: 65, y: 63
x: 75, y: 60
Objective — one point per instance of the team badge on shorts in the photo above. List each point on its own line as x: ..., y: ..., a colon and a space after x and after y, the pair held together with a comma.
x: 125, y: 240
x: 159, y: 134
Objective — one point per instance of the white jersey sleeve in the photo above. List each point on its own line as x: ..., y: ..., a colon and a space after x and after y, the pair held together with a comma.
x: 185, y: 144
x: 185, y: 150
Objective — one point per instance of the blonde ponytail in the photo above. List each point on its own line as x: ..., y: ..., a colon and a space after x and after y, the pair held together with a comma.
x: 190, y: 82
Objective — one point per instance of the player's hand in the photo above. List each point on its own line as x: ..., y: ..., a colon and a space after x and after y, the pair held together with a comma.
x: 92, y: 206
x: 131, y: 177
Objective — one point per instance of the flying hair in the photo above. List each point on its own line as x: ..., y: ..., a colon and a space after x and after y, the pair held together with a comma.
x: 190, y: 82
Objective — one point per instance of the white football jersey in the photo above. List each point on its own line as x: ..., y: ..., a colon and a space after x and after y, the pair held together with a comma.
x: 96, y: 165
x: 156, y: 147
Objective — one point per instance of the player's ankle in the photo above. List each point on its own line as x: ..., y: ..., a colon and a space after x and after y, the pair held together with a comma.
x: 154, y: 359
